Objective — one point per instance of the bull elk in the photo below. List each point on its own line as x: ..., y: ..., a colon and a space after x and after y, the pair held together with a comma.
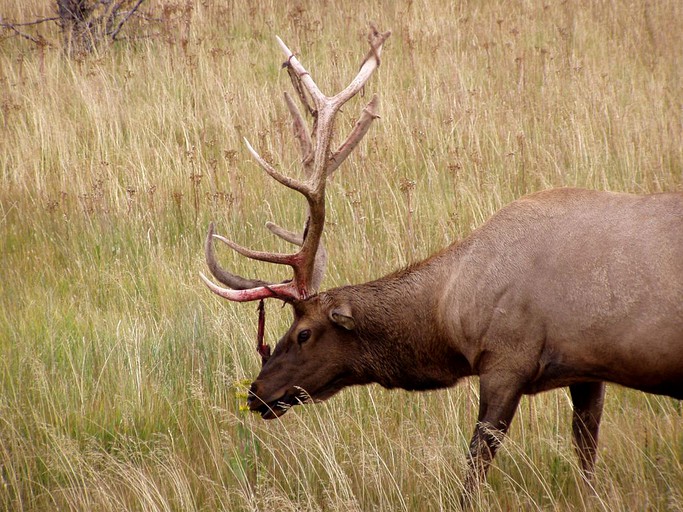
x: 564, y: 287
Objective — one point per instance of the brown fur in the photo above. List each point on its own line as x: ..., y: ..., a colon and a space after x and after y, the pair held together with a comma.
x: 565, y: 287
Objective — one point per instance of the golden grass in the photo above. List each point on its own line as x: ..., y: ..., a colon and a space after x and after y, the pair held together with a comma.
x: 120, y: 373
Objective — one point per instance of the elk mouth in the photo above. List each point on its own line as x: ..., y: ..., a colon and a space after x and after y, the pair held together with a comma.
x: 293, y: 396
x: 276, y: 408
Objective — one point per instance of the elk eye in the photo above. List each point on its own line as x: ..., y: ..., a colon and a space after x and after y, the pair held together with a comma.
x: 304, y: 336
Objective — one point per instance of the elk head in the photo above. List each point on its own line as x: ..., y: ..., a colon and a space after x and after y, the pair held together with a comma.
x: 307, y: 362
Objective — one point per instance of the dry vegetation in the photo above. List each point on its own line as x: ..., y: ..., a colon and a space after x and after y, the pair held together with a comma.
x: 121, y: 375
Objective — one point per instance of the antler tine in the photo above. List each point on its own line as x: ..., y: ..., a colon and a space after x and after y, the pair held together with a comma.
x: 285, y: 234
x: 361, y: 127
x: 302, y: 135
x: 231, y: 280
x: 284, y: 291
x: 270, y: 257
x: 368, y: 67
x: 299, y: 186
x: 312, y: 88
x: 297, y: 239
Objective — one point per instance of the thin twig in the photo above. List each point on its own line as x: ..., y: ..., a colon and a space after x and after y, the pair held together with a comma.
x: 27, y: 23
x: 40, y: 41
x: 125, y: 19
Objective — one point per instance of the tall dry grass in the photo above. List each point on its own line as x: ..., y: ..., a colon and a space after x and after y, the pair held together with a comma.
x: 121, y: 377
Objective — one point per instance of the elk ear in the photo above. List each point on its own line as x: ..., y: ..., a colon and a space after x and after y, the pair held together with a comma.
x: 341, y: 315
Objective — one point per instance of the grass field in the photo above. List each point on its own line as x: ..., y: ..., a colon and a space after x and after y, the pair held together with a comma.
x: 122, y: 377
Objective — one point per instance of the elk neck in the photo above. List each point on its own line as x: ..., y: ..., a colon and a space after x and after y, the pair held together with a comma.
x: 404, y: 342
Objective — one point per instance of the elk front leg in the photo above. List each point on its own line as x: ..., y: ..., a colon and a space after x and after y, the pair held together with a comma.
x: 499, y: 396
x: 587, y: 399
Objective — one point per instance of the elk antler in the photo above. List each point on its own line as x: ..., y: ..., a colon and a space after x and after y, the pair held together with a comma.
x: 319, y: 163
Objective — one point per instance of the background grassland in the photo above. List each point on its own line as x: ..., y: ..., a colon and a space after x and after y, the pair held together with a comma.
x: 120, y: 374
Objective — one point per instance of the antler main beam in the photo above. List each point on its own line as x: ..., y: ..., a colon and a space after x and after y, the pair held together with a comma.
x: 319, y: 163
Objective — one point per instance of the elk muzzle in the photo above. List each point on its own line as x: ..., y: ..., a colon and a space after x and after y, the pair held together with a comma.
x: 259, y: 402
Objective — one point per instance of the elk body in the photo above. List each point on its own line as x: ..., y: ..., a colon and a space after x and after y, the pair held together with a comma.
x: 562, y: 288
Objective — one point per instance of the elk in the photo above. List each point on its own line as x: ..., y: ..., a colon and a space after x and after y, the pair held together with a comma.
x: 561, y: 288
